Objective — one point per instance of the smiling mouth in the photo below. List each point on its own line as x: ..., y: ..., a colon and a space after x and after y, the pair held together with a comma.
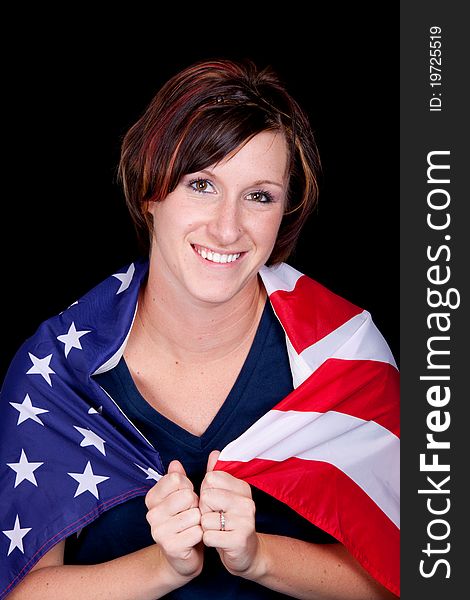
x: 216, y: 257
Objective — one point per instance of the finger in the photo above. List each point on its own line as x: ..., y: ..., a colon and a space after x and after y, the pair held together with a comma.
x: 174, y: 503
x: 213, y: 458
x: 179, y: 501
x: 214, y: 521
x: 190, y: 537
x: 176, y: 467
x: 165, y: 486
x: 223, y: 540
x: 215, y: 499
x: 186, y: 519
x: 179, y: 545
x: 163, y: 529
x: 225, y: 481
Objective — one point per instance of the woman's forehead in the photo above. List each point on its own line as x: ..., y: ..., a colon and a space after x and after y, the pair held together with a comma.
x: 264, y: 157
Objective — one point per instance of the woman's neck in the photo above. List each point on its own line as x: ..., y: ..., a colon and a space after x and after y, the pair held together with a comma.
x: 193, y: 332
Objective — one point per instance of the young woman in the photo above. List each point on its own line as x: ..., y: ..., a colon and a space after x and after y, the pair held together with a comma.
x: 219, y: 175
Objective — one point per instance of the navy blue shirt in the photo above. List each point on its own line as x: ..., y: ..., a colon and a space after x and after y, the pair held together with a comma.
x: 263, y: 381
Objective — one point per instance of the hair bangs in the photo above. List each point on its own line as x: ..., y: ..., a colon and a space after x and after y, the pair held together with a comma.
x: 214, y: 135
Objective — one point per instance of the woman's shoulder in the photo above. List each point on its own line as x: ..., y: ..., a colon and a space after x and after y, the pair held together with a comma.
x: 316, y: 318
x: 84, y: 334
x: 286, y: 279
x: 293, y: 293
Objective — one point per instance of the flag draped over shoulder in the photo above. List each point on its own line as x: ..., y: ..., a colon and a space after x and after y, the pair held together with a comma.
x: 329, y: 449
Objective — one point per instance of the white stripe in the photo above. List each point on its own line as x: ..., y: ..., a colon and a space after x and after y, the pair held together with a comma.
x: 365, y: 451
x: 279, y: 277
x: 357, y: 339
x: 300, y: 369
x: 363, y: 341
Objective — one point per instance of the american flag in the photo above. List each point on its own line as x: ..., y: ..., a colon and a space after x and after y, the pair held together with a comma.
x: 330, y: 449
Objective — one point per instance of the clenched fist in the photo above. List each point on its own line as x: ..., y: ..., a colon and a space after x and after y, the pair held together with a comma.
x: 175, y: 521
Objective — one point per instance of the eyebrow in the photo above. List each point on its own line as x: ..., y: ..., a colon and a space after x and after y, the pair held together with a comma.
x: 261, y: 181
x: 256, y: 183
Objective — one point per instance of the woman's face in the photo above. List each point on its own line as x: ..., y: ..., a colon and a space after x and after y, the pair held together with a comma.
x: 218, y: 227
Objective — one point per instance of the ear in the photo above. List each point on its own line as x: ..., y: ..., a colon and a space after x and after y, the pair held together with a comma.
x: 147, y: 215
x: 147, y: 208
x: 213, y: 458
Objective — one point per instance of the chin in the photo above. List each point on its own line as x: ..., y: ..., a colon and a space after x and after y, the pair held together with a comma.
x: 214, y: 292
x: 213, y: 297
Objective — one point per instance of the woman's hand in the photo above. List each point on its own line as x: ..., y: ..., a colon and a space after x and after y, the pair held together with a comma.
x: 238, y: 543
x: 175, y: 521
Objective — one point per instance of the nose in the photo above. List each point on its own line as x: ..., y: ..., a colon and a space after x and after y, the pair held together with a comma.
x: 226, y: 224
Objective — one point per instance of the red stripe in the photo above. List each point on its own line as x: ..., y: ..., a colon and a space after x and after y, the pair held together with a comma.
x: 329, y: 499
x: 310, y: 312
x: 365, y: 389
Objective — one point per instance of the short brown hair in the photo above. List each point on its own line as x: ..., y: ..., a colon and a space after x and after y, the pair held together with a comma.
x: 200, y: 116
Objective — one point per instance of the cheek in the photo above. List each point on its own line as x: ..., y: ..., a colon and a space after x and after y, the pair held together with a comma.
x: 269, y: 228
x: 264, y: 236
x: 169, y: 221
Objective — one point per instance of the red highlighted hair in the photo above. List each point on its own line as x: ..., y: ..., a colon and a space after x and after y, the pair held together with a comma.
x: 201, y: 115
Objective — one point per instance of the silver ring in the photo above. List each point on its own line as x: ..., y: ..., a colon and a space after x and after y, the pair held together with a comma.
x: 222, y: 520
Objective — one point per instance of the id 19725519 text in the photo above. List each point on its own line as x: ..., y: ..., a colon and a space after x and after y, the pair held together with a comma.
x: 435, y: 68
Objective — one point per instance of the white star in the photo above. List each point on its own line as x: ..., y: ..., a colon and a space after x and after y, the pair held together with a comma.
x: 91, y: 439
x: 125, y: 278
x: 28, y: 411
x: 151, y: 473
x: 71, y: 339
x: 41, y: 367
x: 25, y: 470
x: 93, y: 411
x: 16, y: 536
x: 87, y: 481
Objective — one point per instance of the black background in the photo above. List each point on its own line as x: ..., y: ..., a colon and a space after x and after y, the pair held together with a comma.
x: 74, y: 86
x: 74, y: 82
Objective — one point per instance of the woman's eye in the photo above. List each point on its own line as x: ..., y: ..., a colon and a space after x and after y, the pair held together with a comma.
x: 263, y: 197
x: 201, y: 185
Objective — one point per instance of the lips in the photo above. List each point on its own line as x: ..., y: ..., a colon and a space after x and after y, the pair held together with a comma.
x: 216, y: 256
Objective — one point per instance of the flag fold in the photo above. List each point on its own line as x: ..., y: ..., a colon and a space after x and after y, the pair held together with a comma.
x: 329, y: 450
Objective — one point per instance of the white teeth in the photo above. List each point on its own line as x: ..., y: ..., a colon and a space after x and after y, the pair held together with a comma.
x: 216, y: 256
